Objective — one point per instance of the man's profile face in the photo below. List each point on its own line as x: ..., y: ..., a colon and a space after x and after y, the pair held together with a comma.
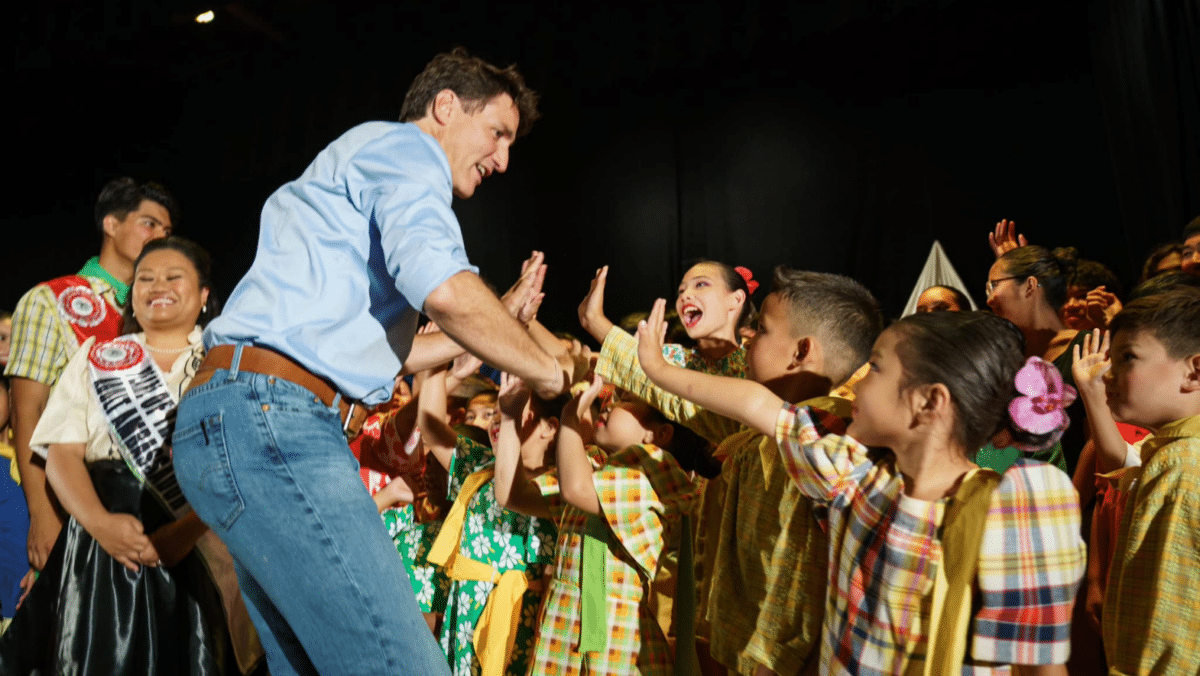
x: 150, y: 220
x: 477, y: 143
x: 1191, y: 255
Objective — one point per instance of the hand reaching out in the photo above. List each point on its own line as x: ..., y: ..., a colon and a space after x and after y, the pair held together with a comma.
x: 528, y: 285
x: 1005, y: 238
x: 591, y: 310
x: 464, y: 366
x: 577, y: 414
x: 1091, y: 364
x: 1102, y: 306
x: 513, y: 396
x: 651, y: 332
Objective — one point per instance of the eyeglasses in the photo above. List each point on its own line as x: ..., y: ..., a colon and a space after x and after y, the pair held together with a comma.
x: 991, y: 283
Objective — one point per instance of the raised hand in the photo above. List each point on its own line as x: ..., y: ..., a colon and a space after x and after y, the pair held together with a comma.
x: 1005, y: 238
x: 529, y: 310
x: 591, y: 310
x: 1102, y: 306
x: 1090, y: 365
x: 464, y: 366
x: 651, y: 332
x: 528, y: 285
x: 513, y: 396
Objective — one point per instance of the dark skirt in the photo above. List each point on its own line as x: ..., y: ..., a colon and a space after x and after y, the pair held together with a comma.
x: 88, y: 614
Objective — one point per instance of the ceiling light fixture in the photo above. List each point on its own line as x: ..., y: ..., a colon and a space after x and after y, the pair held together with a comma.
x: 206, y: 17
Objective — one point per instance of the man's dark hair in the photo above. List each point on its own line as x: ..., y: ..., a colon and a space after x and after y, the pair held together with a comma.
x: 1163, y: 282
x: 838, y: 309
x: 475, y: 81
x: 1172, y: 317
x: 121, y: 196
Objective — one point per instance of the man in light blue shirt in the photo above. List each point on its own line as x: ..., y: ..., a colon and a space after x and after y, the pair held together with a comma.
x: 348, y: 254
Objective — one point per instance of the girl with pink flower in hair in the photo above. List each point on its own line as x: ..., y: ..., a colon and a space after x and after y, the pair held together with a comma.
x: 937, y: 566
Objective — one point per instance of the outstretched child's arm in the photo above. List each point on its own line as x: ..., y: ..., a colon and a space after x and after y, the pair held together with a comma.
x: 574, y: 466
x: 748, y: 402
x: 432, y: 418
x: 1090, y: 365
x: 514, y: 490
x: 591, y: 310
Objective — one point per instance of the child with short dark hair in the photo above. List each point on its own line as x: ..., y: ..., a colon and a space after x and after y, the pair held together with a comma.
x: 1151, y: 621
x: 769, y: 552
x: 913, y: 531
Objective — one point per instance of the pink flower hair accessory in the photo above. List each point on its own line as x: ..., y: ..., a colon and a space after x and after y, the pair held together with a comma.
x: 745, y: 274
x: 1042, y: 408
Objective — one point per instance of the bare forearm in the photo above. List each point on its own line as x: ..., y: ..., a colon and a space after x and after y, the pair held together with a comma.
x: 746, y: 401
x: 550, y: 343
x: 1040, y: 670
x: 430, y: 350
x: 470, y: 313
x: 575, y: 471
x: 514, y: 490
x: 68, y: 475
x: 176, y: 539
x: 436, y: 433
x: 28, y: 401
x: 1110, y: 445
x: 597, y: 326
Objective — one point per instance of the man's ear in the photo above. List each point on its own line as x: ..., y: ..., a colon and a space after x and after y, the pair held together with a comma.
x: 1191, y: 373
x: 109, y: 225
x: 445, y: 105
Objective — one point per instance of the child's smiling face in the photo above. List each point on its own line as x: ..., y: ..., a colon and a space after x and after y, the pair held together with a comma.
x: 706, y: 305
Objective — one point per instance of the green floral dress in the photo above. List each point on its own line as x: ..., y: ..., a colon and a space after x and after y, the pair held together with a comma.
x: 507, y: 541
x: 413, y: 542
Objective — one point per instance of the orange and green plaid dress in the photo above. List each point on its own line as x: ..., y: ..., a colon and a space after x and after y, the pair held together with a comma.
x: 643, y: 494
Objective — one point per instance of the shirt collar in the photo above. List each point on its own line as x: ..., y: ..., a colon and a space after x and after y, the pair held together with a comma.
x: 92, y: 268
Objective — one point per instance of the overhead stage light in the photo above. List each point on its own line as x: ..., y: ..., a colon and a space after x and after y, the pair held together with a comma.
x: 206, y: 17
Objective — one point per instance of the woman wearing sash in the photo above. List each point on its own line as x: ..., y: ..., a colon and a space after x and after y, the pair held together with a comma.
x: 125, y: 590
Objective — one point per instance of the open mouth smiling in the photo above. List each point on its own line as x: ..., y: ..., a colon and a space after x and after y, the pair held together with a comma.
x: 690, y: 315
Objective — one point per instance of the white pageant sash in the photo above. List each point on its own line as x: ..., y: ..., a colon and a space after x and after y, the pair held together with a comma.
x: 137, y: 401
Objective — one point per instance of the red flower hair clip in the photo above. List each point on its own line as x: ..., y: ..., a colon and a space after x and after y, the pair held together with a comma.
x: 751, y: 285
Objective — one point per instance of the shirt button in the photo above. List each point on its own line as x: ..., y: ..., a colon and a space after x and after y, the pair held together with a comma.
x: 316, y: 400
x: 271, y: 380
x: 266, y: 407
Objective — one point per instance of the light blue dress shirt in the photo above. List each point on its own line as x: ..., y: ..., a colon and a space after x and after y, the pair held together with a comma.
x: 347, y: 254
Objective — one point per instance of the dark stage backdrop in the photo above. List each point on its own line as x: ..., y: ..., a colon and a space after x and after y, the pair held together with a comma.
x: 841, y: 136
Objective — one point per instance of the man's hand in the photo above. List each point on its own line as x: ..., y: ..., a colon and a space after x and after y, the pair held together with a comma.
x: 1090, y: 365
x: 528, y: 285
x: 1005, y: 238
x: 591, y: 310
x: 1102, y: 306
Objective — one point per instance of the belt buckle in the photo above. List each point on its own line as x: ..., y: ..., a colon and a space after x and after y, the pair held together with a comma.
x: 346, y: 423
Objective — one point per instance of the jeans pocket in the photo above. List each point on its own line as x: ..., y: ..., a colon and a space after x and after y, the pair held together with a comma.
x: 205, y: 474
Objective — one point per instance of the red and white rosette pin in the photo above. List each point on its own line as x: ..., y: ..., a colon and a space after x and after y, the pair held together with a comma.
x: 115, y: 355
x: 82, y: 306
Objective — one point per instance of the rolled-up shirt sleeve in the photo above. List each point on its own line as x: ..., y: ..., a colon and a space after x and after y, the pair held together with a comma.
x: 410, y: 203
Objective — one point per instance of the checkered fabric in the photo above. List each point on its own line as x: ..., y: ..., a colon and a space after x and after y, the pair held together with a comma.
x: 618, y: 364
x: 503, y: 539
x: 42, y: 341
x: 1151, y: 619
x: 769, y: 577
x: 885, y: 550
x: 643, y: 493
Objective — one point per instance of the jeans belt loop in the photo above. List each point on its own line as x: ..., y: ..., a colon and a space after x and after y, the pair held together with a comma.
x: 236, y: 361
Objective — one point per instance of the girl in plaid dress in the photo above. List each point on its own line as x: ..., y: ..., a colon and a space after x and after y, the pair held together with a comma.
x: 614, y: 520
x: 939, y: 384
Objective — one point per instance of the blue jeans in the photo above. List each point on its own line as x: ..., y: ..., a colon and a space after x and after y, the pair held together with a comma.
x: 265, y: 465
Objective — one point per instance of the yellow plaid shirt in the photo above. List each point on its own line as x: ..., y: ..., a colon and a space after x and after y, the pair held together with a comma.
x: 42, y: 341
x: 1151, y: 619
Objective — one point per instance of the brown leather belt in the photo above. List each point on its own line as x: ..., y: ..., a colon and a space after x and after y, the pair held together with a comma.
x: 268, y: 362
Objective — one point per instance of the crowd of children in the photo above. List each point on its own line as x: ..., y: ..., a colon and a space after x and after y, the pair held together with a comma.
x: 801, y: 489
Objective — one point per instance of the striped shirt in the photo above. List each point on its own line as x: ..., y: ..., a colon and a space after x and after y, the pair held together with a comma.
x: 885, y: 548
x: 1151, y: 619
